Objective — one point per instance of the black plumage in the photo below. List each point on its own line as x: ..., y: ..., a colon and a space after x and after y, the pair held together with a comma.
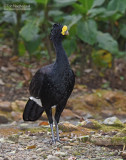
x: 51, y: 85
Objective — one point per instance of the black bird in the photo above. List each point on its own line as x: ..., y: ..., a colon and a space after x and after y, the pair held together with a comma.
x: 51, y: 85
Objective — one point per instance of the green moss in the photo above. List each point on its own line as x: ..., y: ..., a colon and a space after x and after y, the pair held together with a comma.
x: 118, y: 140
x: 14, y: 138
x: 118, y: 123
x: 76, y: 153
x: 96, y: 125
x: 107, y: 128
x: 124, y: 139
x: 35, y: 130
x: 123, y: 131
x: 44, y: 156
x: 83, y: 138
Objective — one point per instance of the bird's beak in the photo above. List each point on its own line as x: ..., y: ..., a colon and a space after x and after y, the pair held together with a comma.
x: 66, y: 33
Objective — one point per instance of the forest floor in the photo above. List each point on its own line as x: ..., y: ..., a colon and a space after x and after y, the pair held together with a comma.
x: 88, y: 105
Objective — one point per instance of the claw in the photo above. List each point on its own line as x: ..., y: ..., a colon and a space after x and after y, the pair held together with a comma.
x: 58, y: 140
x: 53, y: 142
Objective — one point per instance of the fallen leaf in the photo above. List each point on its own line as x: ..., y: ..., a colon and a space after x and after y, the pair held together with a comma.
x: 43, y: 123
x: 31, y: 147
x: 14, y: 58
x: 27, y: 74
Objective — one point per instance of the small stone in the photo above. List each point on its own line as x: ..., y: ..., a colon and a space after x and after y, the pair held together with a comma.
x: 21, y: 149
x: 50, y: 157
x: 4, y: 69
x: 34, y: 137
x: 34, y: 157
x: 16, y: 116
x: 114, y: 121
x: 92, y: 132
x: 21, y: 104
x: 1, y: 82
x: 14, y: 123
x: 58, y: 153
x: 39, y: 150
x: 93, y: 124
x: 2, y: 140
x: 3, y: 119
x: 67, y: 147
x: 5, y: 106
x: 123, y: 154
x: 68, y: 114
x: 12, y: 152
x: 83, y: 138
x: 14, y: 138
x: 14, y: 106
x: 24, y: 126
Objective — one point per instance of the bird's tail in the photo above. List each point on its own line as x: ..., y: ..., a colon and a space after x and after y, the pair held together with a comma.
x: 32, y: 111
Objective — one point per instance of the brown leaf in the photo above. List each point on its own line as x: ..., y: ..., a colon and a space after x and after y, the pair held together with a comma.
x: 43, y: 123
x: 31, y: 147
x: 14, y: 58
x: 27, y: 74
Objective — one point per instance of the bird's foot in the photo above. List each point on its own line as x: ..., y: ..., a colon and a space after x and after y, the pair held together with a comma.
x: 53, y: 142
x: 58, y: 140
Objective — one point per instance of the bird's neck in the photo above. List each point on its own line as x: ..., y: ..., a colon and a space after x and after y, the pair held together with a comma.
x: 61, y: 56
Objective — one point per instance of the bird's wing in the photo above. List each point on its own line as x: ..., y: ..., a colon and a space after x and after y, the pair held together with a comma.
x: 36, y: 84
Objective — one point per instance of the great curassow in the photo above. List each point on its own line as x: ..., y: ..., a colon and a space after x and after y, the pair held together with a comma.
x: 51, y: 85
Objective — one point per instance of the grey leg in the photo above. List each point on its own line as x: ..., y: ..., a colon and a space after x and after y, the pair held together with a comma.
x: 57, y: 131
x: 53, y: 138
x: 49, y: 115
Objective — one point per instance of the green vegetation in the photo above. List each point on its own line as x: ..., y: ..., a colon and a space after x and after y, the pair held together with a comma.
x: 97, y: 28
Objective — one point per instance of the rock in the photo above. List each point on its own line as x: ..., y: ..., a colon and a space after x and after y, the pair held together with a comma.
x: 58, y: 153
x: 24, y: 126
x: 101, y: 141
x: 5, y: 106
x: 107, y: 113
x: 83, y: 138
x: 16, y: 116
x: 14, y: 123
x: 67, y: 127
x: 3, y: 119
x: 107, y: 140
x: 100, y: 103
x: 122, y: 133
x: 77, y: 103
x: 14, y: 138
x: 2, y: 140
x: 14, y: 106
x: 123, y: 154
x: 50, y: 157
x: 1, y: 82
x: 93, y: 124
x: 113, y: 121
x: 68, y: 114
x: 88, y: 116
x: 21, y: 104
x: 67, y: 147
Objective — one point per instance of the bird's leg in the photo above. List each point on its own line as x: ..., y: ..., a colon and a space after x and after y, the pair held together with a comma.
x: 57, y: 131
x: 49, y: 115
x: 59, y: 110
x: 53, y: 138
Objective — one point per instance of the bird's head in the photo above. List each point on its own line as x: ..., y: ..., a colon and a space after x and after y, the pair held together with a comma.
x: 58, y: 32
